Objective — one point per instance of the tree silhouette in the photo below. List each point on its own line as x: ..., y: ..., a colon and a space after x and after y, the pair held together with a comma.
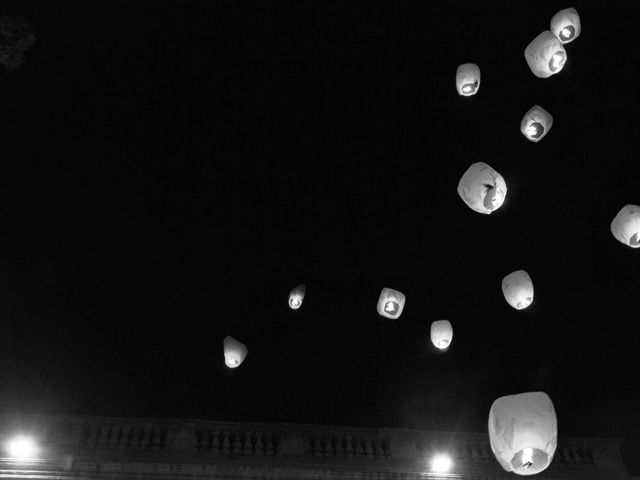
x: 16, y: 38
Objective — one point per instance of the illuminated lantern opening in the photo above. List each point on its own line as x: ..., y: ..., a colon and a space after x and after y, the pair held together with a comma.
x: 523, y: 432
x: 566, y: 25
x: 390, y: 303
x: 517, y: 288
x: 626, y: 226
x: 468, y: 79
x: 536, y: 123
x: 296, y: 296
x: 482, y: 188
x: 441, y: 334
x: 234, y: 352
x: 545, y: 55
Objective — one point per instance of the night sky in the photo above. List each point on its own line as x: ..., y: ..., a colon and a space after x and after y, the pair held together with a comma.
x: 170, y: 170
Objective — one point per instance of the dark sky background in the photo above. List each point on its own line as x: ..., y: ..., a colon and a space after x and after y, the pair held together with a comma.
x: 169, y: 171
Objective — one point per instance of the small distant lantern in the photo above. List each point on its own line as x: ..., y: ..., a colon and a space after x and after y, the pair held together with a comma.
x: 523, y: 432
x: 626, y: 226
x: 482, y: 188
x: 391, y: 303
x: 566, y: 25
x: 545, y: 55
x: 536, y: 123
x: 517, y: 288
x: 441, y: 334
x: 468, y: 79
x: 234, y: 352
x: 296, y: 296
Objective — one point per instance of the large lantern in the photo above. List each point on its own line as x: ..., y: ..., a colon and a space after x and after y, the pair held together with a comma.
x: 626, y: 226
x: 468, y: 79
x: 482, y: 188
x: 545, y: 55
x: 523, y: 432
x: 391, y: 303
x: 296, y: 296
x: 536, y: 123
x: 517, y: 288
x: 441, y: 334
x: 566, y: 25
x: 234, y: 352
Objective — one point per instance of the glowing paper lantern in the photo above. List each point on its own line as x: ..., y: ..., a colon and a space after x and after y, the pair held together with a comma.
x: 482, y: 188
x: 536, y: 123
x: 523, y: 431
x: 517, y: 288
x: 391, y: 303
x: 441, y: 334
x: 468, y: 79
x: 566, y: 25
x: 626, y: 226
x: 296, y: 296
x: 545, y: 55
x: 234, y: 352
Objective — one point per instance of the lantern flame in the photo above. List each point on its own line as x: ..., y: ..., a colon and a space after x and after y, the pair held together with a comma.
x: 566, y: 33
x: 391, y: 306
x: 527, y: 457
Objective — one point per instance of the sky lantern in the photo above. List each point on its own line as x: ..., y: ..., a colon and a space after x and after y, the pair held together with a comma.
x: 517, y: 288
x: 296, y: 296
x: 626, y: 226
x: 441, y: 334
x: 545, y: 55
x: 468, y: 79
x: 391, y: 303
x: 234, y: 352
x: 523, y: 431
x: 536, y: 123
x: 482, y: 188
x: 566, y: 25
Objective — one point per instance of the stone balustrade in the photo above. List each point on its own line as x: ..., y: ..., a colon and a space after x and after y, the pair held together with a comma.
x: 188, y: 442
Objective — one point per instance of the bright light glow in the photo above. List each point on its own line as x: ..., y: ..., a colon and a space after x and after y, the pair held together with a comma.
x: 440, y: 463
x: 566, y: 33
x: 532, y: 130
x: 466, y: 89
x: 295, y: 302
x: 21, y: 447
x: 527, y: 457
x: 556, y: 59
x: 391, y: 307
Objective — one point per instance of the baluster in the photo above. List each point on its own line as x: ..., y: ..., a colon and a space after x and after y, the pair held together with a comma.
x: 127, y: 435
x: 323, y: 446
x: 225, y: 446
x: 244, y: 443
x: 486, y: 454
x: 332, y: 448
x: 368, y: 447
x: 377, y: 450
x: 92, y: 436
x: 214, y: 443
x: 259, y: 449
x: 101, y: 436
x: 309, y: 446
x: 350, y: 449
x: 269, y: 443
x: 235, y: 443
x: 386, y: 447
x: 117, y: 437
x: 568, y: 452
x: 342, y: 446
x: 475, y: 457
